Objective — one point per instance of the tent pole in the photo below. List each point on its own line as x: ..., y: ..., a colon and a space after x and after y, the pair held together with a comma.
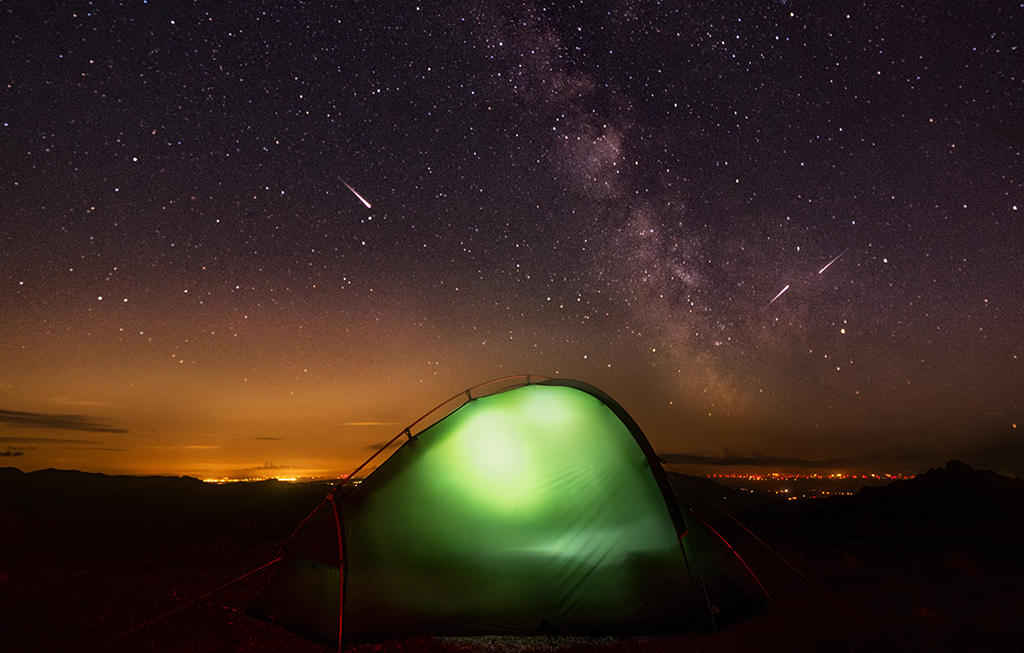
x: 341, y: 570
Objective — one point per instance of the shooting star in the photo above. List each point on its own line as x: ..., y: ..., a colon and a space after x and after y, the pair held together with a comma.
x: 833, y: 261
x: 777, y: 296
x: 361, y: 198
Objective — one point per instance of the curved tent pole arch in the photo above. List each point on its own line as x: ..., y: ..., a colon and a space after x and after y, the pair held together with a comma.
x: 465, y: 395
x: 520, y: 380
x: 528, y: 379
x: 653, y: 460
x: 510, y: 383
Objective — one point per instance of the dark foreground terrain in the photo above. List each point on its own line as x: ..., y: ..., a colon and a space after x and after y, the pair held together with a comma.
x: 928, y: 564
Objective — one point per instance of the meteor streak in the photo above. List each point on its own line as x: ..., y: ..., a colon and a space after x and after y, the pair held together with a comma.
x: 782, y: 291
x: 833, y: 261
x: 361, y: 199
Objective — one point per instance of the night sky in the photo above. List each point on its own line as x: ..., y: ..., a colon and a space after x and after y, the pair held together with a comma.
x: 615, y: 192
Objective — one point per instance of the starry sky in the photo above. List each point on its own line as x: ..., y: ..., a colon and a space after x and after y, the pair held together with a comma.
x: 777, y: 232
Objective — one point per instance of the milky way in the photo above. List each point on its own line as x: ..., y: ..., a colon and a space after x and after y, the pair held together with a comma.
x: 614, y: 192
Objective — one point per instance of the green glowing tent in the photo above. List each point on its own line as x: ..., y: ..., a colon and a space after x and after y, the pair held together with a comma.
x: 537, y: 508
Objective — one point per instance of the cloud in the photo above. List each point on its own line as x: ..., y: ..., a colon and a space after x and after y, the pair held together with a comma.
x: 11, y: 439
x: 380, y: 445
x: 64, y: 401
x: 883, y: 457
x: 9, y: 453
x: 267, y: 438
x: 45, y: 421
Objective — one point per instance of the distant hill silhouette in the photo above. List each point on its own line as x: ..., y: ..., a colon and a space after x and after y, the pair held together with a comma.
x: 93, y: 517
x: 957, y: 491
x: 956, y: 508
x: 80, y: 494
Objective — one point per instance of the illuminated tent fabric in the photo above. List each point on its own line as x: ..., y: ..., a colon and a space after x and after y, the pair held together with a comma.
x: 538, y: 509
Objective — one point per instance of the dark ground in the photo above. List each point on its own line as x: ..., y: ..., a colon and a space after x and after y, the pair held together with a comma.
x: 929, y: 564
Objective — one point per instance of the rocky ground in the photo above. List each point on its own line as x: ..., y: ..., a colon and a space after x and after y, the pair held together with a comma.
x: 928, y: 564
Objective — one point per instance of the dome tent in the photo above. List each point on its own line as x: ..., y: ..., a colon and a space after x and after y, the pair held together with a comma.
x: 535, y: 506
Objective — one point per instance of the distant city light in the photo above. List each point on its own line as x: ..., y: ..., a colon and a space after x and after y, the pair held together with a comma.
x: 824, y: 485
